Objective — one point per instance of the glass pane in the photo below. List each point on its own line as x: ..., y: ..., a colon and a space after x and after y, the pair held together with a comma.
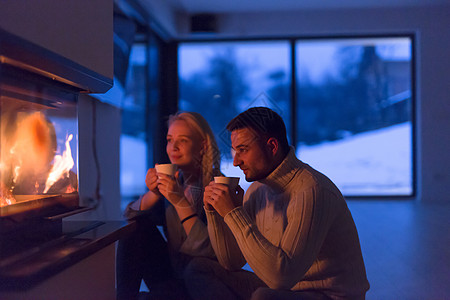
x: 354, y: 119
x: 133, y: 141
x: 222, y: 79
x: 38, y: 143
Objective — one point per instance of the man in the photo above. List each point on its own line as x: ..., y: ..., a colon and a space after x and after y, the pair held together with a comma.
x: 292, y: 227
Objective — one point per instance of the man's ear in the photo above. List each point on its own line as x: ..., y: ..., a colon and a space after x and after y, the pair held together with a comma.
x: 273, y: 145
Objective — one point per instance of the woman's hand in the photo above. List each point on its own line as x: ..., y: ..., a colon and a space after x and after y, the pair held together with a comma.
x: 221, y: 198
x: 149, y: 199
x: 151, y: 180
x: 168, y: 186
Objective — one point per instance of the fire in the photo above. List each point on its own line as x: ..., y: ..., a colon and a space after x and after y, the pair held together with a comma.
x: 6, y: 198
x: 28, y: 162
x: 61, y: 166
x: 35, y: 143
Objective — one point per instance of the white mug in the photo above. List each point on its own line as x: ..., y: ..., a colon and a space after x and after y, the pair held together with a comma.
x: 232, y: 182
x: 168, y: 169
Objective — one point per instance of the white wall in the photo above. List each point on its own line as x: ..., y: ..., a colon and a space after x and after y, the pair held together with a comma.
x: 431, y: 26
x: 80, y: 30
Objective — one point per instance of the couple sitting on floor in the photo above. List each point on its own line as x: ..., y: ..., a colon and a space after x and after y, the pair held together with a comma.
x: 292, y: 226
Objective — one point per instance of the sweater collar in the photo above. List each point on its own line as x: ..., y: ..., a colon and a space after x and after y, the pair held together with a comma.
x: 284, y: 173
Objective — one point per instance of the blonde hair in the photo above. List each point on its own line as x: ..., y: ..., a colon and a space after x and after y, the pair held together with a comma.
x: 210, y: 160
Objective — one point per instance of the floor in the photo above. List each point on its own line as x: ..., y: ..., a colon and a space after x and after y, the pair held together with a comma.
x: 406, y: 248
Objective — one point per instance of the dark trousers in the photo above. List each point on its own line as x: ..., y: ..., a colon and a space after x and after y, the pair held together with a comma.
x: 206, y: 279
x: 143, y: 255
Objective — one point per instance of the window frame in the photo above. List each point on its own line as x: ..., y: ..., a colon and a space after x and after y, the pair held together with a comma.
x: 293, y: 90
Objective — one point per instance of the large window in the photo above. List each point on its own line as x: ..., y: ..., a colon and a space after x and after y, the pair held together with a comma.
x: 354, y: 113
x: 351, y: 117
x: 133, y: 140
x: 221, y: 79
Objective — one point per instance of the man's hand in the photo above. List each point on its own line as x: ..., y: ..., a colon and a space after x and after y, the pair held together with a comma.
x: 206, y: 195
x: 221, y: 198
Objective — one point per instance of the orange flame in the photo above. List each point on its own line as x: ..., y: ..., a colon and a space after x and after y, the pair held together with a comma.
x: 61, y: 167
x: 6, y: 198
x: 28, y: 145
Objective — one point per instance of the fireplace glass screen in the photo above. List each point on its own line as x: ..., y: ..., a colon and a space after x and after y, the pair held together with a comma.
x: 39, y: 145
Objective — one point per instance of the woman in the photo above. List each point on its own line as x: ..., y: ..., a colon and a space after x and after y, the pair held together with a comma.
x: 145, y: 254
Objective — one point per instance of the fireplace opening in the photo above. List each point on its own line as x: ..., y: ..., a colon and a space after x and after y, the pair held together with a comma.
x: 39, y: 92
x: 38, y: 145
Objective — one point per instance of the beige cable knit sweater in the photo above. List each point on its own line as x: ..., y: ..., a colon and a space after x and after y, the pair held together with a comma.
x: 295, y: 231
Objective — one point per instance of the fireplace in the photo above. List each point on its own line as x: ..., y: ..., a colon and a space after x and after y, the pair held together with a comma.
x: 38, y: 146
x: 39, y: 131
x: 39, y: 149
x: 39, y: 163
x: 43, y: 254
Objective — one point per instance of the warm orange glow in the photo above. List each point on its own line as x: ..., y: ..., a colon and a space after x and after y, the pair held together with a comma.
x: 5, y: 196
x: 35, y: 143
x: 61, y: 166
x: 28, y: 147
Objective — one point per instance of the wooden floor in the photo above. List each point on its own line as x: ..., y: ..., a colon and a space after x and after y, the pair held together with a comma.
x: 406, y: 248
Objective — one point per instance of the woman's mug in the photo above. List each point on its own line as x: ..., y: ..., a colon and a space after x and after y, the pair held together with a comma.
x: 168, y: 169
